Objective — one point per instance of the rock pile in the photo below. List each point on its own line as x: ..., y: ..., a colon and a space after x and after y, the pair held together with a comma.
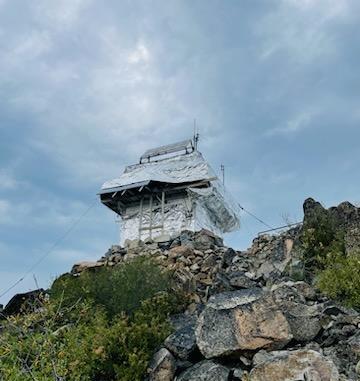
x: 249, y: 319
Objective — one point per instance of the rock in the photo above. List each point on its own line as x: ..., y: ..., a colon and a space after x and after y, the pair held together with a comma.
x: 133, y: 243
x: 233, y: 322
x: 228, y: 257
x: 162, y: 366
x: 205, y: 371
x: 238, y: 374
x: 186, y: 238
x: 85, y: 265
x: 358, y: 368
x: 182, y: 343
x: 296, y: 269
x: 301, y: 365
x: 210, y: 261
x: 180, y: 251
x: 204, y: 240
x: 304, y: 320
x: 25, y: 302
x: 240, y: 280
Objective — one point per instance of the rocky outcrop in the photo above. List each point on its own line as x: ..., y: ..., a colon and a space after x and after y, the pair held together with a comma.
x: 248, y: 319
x: 345, y: 217
x: 239, y: 321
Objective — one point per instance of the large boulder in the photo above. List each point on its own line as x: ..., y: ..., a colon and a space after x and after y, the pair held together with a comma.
x: 162, y: 366
x: 25, y: 302
x: 301, y: 365
x: 304, y: 320
x: 205, y: 371
x: 85, y: 265
x: 244, y: 320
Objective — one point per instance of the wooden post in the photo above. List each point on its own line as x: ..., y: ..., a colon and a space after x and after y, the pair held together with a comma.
x: 162, y: 211
x: 141, y: 214
x: 151, y: 214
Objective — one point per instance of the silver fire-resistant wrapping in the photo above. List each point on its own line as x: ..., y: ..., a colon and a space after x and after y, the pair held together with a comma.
x: 211, y: 208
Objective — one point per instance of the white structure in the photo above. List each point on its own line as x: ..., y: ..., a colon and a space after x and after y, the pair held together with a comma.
x: 172, y: 189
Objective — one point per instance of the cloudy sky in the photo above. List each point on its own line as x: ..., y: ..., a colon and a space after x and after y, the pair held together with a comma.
x: 87, y: 86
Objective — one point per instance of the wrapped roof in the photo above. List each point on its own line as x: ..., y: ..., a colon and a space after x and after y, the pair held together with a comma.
x: 188, y: 170
x: 175, y: 170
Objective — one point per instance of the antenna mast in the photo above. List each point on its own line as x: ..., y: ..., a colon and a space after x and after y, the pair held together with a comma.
x: 222, y: 168
x: 196, y: 136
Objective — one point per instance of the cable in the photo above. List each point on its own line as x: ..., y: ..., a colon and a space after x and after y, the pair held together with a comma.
x: 256, y: 218
x: 48, y: 252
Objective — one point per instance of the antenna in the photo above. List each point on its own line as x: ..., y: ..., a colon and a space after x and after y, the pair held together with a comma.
x: 196, y: 136
x: 222, y: 168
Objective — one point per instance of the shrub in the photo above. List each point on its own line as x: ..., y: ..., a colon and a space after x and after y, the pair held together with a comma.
x: 337, y: 273
x: 81, y: 334
x: 320, y: 238
x: 81, y: 343
x: 340, y: 279
x: 117, y: 289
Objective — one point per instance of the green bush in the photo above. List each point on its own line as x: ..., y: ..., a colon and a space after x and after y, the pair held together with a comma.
x: 81, y: 334
x: 117, y: 289
x: 337, y: 273
x: 320, y: 238
x: 340, y: 279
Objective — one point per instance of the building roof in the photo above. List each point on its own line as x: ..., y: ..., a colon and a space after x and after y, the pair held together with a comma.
x: 189, y: 170
x: 175, y: 170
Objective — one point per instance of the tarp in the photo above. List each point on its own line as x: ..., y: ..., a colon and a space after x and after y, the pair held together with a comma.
x: 222, y: 211
x: 178, y: 169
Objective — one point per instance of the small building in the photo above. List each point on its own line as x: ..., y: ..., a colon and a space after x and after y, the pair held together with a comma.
x: 171, y: 189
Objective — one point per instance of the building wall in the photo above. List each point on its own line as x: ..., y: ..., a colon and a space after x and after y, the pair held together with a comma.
x: 181, y: 213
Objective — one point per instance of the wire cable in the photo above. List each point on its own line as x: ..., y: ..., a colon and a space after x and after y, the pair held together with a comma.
x: 48, y: 252
x: 256, y: 218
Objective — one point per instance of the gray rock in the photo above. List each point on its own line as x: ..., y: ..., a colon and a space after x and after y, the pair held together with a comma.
x: 301, y: 365
x: 240, y: 280
x: 182, y: 343
x: 238, y: 373
x: 205, y: 371
x: 304, y: 320
x: 238, y: 321
x: 228, y: 257
x: 162, y: 366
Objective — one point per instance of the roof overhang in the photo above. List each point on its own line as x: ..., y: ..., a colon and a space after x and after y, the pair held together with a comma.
x: 124, y: 187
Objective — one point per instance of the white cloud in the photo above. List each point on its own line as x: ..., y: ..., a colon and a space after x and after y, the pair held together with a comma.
x: 302, y: 29
x: 61, y: 13
x: 296, y: 124
x: 139, y: 55
x: 7, y: 181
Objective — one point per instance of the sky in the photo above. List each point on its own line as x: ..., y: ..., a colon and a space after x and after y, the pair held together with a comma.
x: 87, y: 86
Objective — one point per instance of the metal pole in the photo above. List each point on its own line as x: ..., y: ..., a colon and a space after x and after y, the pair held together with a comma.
x: 222, y: 168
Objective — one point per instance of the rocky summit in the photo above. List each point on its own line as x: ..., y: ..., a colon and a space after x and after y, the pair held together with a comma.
x: 253, y: 315
x: 258, y: 314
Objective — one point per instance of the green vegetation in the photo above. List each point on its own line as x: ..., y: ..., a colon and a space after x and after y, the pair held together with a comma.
x: 340, y: 279
x: 81, y: 334
x: 336, y: 272
x: 118, y: 289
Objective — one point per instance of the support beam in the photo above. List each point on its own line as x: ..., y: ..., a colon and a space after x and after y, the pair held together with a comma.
x: 140, y: 216
x: 162, y: 211
x: 151, y: 214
